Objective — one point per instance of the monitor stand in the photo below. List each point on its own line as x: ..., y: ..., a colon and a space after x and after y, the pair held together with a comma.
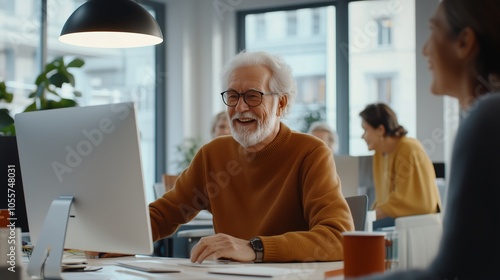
x: 45, y: 261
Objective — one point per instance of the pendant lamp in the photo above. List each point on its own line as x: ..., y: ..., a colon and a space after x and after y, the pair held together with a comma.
x: 111, y: 24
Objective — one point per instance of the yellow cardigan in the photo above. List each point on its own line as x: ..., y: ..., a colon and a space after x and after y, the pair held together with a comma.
x: 286, y: 193
x: 405, y: 181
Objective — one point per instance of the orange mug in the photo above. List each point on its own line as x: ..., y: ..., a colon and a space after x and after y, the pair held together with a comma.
x: 364, y: 253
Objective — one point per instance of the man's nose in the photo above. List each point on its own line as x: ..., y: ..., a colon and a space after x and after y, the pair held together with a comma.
x: 241, y: 106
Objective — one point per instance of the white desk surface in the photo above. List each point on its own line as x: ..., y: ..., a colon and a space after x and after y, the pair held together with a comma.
x: 111, y: 271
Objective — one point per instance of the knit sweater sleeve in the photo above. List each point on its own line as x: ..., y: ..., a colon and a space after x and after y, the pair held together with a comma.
x: 180, y: 204
x: 324, y: 209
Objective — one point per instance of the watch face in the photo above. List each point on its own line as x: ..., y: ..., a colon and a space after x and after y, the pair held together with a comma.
x: 257, y: 244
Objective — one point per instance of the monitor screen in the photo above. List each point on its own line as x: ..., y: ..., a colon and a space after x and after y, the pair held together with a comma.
x: 88, y: 158
x: 12, y: 208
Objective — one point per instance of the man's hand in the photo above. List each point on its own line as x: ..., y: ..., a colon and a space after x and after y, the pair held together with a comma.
x: 222, y: 246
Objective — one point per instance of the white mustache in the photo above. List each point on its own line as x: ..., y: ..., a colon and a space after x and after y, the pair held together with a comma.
x: 247, y: 115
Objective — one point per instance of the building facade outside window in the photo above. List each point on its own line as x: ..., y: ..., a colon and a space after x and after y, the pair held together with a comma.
x: 381, y: 63
x: 384, y: 36
x: 301, y: 36
x: 381, y: 53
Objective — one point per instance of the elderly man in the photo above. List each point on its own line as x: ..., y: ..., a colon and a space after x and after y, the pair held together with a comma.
x: 272, y: 191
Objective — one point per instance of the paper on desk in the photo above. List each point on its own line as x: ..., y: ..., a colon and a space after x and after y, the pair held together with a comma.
x: 261, y: 271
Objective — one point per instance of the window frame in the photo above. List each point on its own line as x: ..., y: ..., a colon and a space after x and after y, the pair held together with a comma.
x: 342, y: 61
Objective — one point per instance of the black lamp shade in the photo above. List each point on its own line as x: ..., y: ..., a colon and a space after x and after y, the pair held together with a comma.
x: 111, y: 24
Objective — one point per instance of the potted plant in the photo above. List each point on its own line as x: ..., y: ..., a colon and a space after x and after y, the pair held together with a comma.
x: 186, y: 152
x: 46, y: 95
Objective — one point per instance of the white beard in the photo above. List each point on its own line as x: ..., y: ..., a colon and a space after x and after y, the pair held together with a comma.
x: 248, y: 138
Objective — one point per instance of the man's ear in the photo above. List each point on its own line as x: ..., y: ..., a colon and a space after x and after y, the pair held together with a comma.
x: 282, y: 102
x: 467, y: 44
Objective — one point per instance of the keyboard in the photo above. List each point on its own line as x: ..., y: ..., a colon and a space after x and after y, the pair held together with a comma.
x: 150, y: 266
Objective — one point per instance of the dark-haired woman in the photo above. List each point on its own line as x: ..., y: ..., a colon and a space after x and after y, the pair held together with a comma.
x: 463, y: 55
x: 403, y: 174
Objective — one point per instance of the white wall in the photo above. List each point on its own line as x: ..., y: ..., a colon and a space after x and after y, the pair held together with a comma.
x: 200, y: 37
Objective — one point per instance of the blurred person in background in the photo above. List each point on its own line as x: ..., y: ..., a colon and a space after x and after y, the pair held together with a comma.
x: 220, y: 125
x: 403, y: 173
x: 324, y: 132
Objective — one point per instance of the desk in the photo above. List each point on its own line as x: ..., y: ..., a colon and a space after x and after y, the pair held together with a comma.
x: 113, y: 272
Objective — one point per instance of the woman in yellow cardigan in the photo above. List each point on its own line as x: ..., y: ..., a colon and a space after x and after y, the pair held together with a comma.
x: 403, y: 174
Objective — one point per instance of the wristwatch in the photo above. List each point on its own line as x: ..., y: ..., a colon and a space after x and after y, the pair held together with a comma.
x: 258, y: 248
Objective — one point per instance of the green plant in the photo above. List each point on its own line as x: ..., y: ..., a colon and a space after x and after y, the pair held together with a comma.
x: 185, y: 152
x: 313, y: 116
x: 46, y: 95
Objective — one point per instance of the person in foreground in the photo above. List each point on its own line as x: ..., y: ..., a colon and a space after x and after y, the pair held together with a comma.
x: 403, y: 174
x: 272, y: 191
x: 463, y: 56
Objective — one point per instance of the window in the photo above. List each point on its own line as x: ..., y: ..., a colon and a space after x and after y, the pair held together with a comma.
x: 108, y: 76
x: 384, y: 27
x: 291, y: 23
x: 383, y: 85
x: 377, y: 74
x: 316, y: 21
x: 363, y: 47
x: 260, y: 26
x: 310, y: 53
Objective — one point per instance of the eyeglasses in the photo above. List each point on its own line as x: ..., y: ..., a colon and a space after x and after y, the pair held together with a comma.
x: 251, y: 97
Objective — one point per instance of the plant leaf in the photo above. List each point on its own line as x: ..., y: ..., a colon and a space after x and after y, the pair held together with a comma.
x: 58, y: 79
x: 40, y: 79
x: 8, y: 130
x: 63, y: 103
x: 49, y: 67
x: 31, y: 107
x: 71, y: 78
x: 77, y: 62
x: 4, y: 94
x: 5, y: 118
x: 40, y: 90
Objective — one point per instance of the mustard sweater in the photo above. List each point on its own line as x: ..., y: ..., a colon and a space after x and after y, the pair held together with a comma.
x: 405, y: 181
x: 287, y: 194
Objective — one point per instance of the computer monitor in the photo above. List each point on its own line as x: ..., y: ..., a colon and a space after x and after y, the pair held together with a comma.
x: 83, y: 183
x: 12, y: 206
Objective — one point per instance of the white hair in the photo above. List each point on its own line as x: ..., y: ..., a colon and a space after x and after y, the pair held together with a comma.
x: 282, y: 81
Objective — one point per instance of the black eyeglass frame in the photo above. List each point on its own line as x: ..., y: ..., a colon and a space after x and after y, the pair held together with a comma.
x: 244, y: 97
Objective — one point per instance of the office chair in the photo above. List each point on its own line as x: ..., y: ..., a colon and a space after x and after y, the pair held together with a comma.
x: 359, y: 209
